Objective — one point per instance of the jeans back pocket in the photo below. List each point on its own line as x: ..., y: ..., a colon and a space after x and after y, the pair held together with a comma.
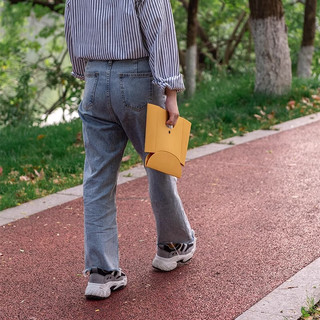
x: 90, y: 87
x: 136, y: 89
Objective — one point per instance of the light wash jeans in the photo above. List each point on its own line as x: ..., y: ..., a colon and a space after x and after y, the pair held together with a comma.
x: 113, y: 109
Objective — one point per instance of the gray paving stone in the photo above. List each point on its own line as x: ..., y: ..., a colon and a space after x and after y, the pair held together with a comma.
x: 250, y: 315
x: 295, y: 123
x: 75, y: 191
x: 132, y: 174
x: 254, y: 135
x: 289, y: 297
x: 34, y: 206
x: 205, y: 150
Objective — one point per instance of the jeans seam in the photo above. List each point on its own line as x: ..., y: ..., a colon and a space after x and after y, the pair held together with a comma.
x: 93, y: 92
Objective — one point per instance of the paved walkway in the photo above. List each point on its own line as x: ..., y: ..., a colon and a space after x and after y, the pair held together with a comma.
x: 255, y: 209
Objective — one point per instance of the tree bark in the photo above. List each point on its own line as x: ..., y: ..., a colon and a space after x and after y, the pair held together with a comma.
x: 273, y: 62
x: 307, y: 45
x: 191, y: 54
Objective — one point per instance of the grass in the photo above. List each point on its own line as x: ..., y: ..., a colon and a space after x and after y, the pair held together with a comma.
x: 311, y: 311
x: 226, y: 107
x: 35, y: 162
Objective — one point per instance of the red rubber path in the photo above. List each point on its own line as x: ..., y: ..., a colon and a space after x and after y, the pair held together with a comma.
x: 255, y: 209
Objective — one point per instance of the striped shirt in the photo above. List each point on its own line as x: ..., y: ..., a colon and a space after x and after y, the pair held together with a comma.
x: 121, y: 30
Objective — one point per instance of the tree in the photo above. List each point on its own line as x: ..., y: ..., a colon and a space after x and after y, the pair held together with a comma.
x: 273, y: 62
x: 35, y: 74
x: 235, y: 38
x: 307, y: 45
x: 191, y: 53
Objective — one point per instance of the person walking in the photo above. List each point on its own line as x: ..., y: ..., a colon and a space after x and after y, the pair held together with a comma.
x: 126, y: 51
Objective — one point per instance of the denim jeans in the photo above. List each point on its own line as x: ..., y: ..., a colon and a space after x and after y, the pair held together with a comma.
x: 113, y: 110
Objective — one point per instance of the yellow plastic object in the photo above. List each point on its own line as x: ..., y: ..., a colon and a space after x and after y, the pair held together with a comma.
x: 167, y: 148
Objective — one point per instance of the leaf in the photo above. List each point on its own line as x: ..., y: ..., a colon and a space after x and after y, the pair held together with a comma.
x: 271, y: 115
x: 79, y: 137
x: 1, y: 170
x: 40, y: 174
x: 304, y: 312
x: 40, y: 136
x: 126, y: 158
x: 315, y: 97
x: 129, y: 175
x: 24, y: 178
x: 290, y: 107
x: 258, y: 117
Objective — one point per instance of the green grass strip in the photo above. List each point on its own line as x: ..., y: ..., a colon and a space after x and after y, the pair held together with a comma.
x: 35, y: 161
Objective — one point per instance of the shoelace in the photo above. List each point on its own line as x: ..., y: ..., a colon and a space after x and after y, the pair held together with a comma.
x: 175, y: 248
x: 183, y: 247
x: 117, y: 273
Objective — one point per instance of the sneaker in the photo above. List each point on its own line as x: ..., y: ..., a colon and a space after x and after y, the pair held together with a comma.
x: 169, y: 255
x: 101, y: 283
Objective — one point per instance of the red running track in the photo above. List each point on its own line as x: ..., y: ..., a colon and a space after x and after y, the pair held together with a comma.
x: 256, y: 212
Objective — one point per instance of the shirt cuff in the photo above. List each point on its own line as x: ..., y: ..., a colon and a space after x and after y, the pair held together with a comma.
x: 173, y: 83
x: 77, y: 75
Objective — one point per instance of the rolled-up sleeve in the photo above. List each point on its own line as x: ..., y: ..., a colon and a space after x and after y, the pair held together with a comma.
x: 78, y: 65
x: 157, y: 25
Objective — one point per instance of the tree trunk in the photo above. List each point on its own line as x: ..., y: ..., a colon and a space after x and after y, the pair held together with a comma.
x: 191, y: 54
x: 273, y: 63
x: 307, y: 46
x: 203, y: 35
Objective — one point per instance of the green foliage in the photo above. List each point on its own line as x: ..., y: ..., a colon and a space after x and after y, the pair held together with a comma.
x: 34, y: 72
x: 312, y: 310
x: 39, y: 161
x: 35, y: 161
x: 294, y: 15
x: 219, y: 18
x: 226, y: 106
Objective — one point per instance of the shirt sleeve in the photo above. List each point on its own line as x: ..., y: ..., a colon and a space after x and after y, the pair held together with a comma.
x: 157, y: 25
x: 78, y: 65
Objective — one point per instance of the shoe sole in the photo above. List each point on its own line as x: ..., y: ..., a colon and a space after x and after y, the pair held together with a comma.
x: 100, y: 291
x: 169, y: 264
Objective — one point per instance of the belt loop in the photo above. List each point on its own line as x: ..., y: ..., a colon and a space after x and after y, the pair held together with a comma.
x: 137, y: 65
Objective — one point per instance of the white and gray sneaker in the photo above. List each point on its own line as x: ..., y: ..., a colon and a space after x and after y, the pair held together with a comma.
x: 101, y: 283
x: 169, y: 255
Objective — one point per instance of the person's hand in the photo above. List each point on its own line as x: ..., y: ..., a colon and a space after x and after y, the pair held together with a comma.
x: 172, y: 107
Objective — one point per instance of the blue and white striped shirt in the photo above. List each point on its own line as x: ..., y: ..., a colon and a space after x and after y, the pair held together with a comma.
x: 121, y: 30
